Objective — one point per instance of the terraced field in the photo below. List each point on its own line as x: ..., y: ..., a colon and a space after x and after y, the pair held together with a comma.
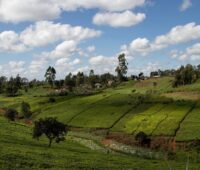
x: 190, y: 127
x: 116, y: 109
x: 19, y: 151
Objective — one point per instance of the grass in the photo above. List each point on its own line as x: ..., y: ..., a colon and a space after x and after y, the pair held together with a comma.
x: 189, y: 129
x: 132, y: 124
x: 19, y: 151
x: 114, y: 106
x: 104, y: 113
x: 172, y: 120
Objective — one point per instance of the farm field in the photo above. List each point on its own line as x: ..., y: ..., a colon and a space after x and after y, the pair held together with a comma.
x: 113, y: 110
x: 189, y: 129
x: 17, y: 145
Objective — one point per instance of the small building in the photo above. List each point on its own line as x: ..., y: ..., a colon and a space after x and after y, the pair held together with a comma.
x: 110, y: 82
x: 98, y: 85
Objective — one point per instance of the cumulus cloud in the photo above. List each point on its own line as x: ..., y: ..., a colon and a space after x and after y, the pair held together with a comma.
x: 91, y: 48
x: 102, y: 64
x: 123, y: 19
x: 185, y: 5
x: 64, y: 49
x: 45, y: 32
x: 28, y: 10
x: 36, y: 10
x: 191, y: 53
x: 9, y: 42
x: 177, y: 35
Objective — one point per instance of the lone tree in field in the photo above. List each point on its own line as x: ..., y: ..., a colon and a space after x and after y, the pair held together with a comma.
x: 11, y: 114
x: 122, y: 67
x: 26, y: 110
x: 51, y: 128
x: 50, y: 75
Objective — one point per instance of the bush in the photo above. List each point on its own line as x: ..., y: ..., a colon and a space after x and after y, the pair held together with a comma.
x: 26, y: 110
x: 143, y: 139
x: 52, y: 100
x: 11, y: 114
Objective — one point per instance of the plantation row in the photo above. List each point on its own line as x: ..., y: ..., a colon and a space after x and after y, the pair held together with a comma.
x: 118, y: 112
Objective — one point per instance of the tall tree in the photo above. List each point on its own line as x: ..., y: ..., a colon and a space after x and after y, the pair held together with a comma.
x: 50, y: 75
x: 12, y: 87
x: 92, y: 78
x: 122, y: 67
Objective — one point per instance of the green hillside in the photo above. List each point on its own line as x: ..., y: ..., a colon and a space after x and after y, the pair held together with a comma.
x: 129, y: 108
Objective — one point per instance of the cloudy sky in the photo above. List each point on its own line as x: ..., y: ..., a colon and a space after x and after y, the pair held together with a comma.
x: 81, y: 35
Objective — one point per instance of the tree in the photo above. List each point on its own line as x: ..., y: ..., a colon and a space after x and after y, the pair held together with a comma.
x: 50, y: 75
x: 26, y: 110
x: 12, y: 87
x: 141, y: 76
x: 122, y: 67
x: 51, y: 128
x: 70, y: 81
x: 79, y: 78
x: 92, y: 78
x: 11, y: 114
x: 185, y: 75
x: 2, y: 83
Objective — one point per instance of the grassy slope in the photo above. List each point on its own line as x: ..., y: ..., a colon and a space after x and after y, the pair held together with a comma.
x: 104, y: 109
x: 189, y: 129
x: 19, y: 151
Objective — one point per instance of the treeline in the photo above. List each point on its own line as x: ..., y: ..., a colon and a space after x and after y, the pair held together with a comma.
x: 12, y: 86
x: 186, y: 75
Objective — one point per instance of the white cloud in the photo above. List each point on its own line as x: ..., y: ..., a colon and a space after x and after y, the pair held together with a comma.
x: 28, y: 10
x: 9, y: 42
x: 117, y: 5
x: 91, y: 48
x: 185, y: 5
x: 177, y: 35
x: 123, y: 19
x: 103, y: 64
x: 191, y: 53
x: 75, y: 62
x: 45, y: 32
x: 65, y: 49
x: 38, y: 65
x: 36, y: 10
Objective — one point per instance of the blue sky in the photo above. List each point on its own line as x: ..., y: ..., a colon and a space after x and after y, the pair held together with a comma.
x: 83, y: 35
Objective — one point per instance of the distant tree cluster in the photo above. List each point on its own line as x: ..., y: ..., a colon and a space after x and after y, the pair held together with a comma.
x: 186, y: 75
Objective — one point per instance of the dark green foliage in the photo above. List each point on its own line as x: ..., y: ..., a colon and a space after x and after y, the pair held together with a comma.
x: 2, y: 83
x: 80, y: 78
x: 26, y: 110
x: 122, y: 67
x: 12, y: 87
x: 143, y: 139
x: 70, y: 81
x: 50, y: 75
x: 11, y: 114
x: 51, y: 128
x: 186, y: 75
x: 52, y: 100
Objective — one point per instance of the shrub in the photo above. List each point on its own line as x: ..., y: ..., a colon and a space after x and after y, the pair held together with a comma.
x: 143, y: 139
x: 26, y: 110
x: 52, y: 100
x: 11, y: 114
